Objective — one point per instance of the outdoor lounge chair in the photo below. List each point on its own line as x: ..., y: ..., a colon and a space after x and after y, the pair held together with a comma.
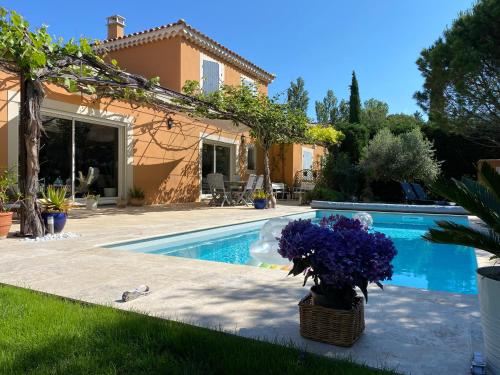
x: 259, y: 183
x: 218, y: 190
x: 245, y: 196
x: 422, y: 195
x: 411, y: 196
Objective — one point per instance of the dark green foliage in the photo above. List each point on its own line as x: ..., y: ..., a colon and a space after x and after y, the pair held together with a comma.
x: 323, y: 193
x: 481, y: 200
x: 356, y: 138
x: 354, y: 101
x: 340, y: 174
x: 374, y: 113
x: 458, y: 154
x: 298, y: 97
x: 402, y: 123
x: 462, y: 74
x: 45, y: 335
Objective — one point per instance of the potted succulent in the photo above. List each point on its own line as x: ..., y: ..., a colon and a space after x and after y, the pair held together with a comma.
x: 259, y: 199
x: 91, y: 201
x: 55, y: 205
x: 338, y: 254
x: 7, y: 182
x: 481, y: 199
x: 137, y: 196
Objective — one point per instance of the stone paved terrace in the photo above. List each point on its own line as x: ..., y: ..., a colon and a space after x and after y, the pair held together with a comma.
x: 409, y: 330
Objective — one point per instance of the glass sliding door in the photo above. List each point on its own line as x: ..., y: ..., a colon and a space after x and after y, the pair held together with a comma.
x: 83, y: 156
x: 56, y: 152
x: 96, y: 155
x: 215, y: 158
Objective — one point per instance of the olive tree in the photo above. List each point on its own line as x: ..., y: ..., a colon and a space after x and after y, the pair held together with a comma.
x: 408, y: 156
x: 36, y: 58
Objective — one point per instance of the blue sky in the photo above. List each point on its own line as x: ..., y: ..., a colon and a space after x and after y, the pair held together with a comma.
x: 322, y: 41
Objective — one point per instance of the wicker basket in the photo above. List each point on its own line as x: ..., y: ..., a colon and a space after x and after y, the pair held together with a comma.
x: 336, y: 327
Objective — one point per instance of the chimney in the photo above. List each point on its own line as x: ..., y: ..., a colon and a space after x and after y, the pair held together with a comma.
x: 116, y: 26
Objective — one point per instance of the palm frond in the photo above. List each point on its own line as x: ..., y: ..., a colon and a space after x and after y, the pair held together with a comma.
x: 491, y: 178
x: 457, y: 234
x: 474, y: 197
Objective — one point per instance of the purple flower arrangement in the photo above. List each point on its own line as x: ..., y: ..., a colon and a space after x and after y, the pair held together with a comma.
x: 339, y: 254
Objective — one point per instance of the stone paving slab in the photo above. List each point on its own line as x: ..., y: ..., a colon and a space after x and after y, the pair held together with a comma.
x: 409, y: 330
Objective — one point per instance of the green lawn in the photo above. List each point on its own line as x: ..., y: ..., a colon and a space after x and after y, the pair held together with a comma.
x: 42, y: 334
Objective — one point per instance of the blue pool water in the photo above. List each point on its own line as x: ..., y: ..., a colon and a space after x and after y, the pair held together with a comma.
x: 419, y: 264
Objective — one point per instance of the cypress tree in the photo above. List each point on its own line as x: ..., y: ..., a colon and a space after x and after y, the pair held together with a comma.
x: 354, y: 101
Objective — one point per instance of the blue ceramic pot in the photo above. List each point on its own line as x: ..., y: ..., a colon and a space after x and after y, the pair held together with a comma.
x: 260, y: 203
x: 59, y: 220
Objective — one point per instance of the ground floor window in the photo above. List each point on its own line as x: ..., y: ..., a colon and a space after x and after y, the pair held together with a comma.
x: 80, y: 155
x: 215, y: 158
x: 251, y: 158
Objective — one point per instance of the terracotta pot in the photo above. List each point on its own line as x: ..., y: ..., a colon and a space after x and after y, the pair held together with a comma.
x: 137, y: 202
x: 489, y: 302
x: 5, y: 223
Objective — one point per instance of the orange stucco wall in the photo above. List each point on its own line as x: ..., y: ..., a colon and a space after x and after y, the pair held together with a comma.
x: 175, y: 61
x: 286, y: 161
x: 165, y: 162
x: 156, y: 59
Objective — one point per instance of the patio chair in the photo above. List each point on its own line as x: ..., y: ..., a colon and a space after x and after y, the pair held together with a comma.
x: 218, y: 190
x: 411, y: 196
x: 422, y: 195
x: 245, y: 196
x: 259, y: 183
x: 279, y: 188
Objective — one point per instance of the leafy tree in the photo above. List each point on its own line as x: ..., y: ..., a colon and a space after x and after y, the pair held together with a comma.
x: 356, y: 137
x: 298, y: 97
x: 340, y: 174
x: 354, y: 101
x: 327, y: 111
x: 400, y: 123
x: 408, y: 156
x: 374, y: 113
x: 36, y: 59
x: 343, y: 111
x: 462, y: 74
x: 325, y: 135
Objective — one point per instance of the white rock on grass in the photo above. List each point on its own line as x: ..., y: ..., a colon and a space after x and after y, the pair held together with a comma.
x: 53, y: 237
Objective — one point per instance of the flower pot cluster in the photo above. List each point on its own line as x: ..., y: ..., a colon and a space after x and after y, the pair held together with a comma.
x: 55, y: 206
x: 137, y: 197
x: 8, y: 198
x: 337, y: 255
x: 263, y: 200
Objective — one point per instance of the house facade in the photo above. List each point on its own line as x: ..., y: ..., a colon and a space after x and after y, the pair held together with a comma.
x: 115, y: 146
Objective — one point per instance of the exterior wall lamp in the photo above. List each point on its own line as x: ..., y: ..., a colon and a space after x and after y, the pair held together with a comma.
x: 170, y: 123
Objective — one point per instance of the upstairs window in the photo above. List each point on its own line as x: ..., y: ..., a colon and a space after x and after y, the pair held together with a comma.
x: 211, y: 75
x: 245, y: 81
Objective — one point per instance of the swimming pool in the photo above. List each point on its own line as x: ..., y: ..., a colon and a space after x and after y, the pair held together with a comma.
x: 419, y: 264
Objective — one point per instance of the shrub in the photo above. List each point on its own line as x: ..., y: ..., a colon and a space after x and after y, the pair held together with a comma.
x: 356, y: 137
x: 340, y: 174
x: 323, y: 193
x: 408, y: 156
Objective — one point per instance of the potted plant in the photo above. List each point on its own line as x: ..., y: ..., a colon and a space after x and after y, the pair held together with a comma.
x: 338, y: 254
x: 481, y: 199
x: 55, y: 205
x: 91, y: 201
x: 259, y: 199
x: 7, y: 182
x: 137, y: 196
